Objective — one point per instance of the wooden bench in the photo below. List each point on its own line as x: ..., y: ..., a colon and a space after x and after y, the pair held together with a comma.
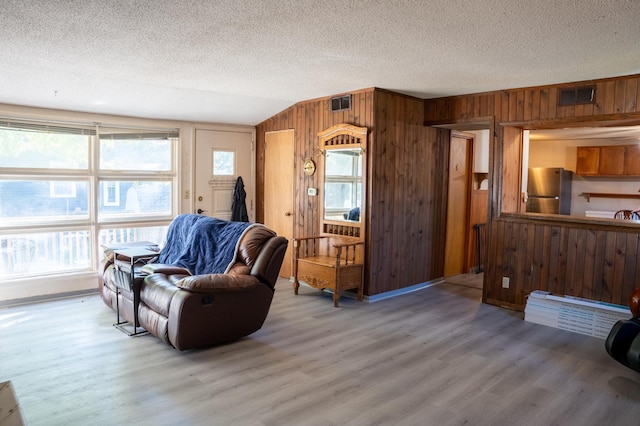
x: 328, y: 262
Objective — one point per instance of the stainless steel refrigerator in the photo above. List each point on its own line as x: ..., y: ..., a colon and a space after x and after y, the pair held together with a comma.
x: 549, y: 190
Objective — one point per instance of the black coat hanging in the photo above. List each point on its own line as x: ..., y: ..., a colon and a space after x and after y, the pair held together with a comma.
x: 239, y: 205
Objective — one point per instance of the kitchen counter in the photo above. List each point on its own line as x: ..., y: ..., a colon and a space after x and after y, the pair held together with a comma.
x: 564, y: 220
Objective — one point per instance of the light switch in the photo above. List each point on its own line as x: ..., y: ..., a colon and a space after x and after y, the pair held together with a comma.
x: 312, y: 192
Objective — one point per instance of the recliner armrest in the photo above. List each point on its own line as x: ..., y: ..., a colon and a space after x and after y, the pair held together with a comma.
x: 161, y: 268
x: 268, y: 263
x: 213, y: 283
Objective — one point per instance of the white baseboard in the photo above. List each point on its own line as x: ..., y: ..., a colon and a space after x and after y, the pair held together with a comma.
x: 402, y: 291
x: 385, y: 295
x: 32, y: 289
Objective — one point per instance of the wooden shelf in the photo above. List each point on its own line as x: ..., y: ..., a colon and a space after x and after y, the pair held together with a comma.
x: 589, y: 195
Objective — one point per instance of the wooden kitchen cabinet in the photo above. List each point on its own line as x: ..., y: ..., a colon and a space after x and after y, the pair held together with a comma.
x: 610, y: 160
x: 588, y: 162
x: 632, y: 160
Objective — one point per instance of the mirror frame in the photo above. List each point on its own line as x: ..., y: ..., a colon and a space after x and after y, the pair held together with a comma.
x: 343, y: 136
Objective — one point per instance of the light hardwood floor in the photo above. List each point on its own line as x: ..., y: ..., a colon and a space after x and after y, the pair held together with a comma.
x: 432, y: 357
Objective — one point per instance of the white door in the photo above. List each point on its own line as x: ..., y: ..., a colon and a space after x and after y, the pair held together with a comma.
x: 222, y: 156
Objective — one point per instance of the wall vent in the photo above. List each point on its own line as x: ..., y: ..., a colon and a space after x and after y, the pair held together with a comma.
x: 340, y: 103
x: 577, y: 96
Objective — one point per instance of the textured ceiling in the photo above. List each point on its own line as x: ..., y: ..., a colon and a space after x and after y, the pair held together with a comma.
x: 242, y: 61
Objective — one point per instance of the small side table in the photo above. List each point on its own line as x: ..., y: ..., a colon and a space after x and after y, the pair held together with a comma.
x: 125, y: 261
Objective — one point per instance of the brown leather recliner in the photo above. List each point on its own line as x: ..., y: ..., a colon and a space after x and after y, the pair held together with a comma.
x: 190, y: 311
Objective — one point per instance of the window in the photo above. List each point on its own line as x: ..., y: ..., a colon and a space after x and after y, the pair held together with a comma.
x: 135, y: 198
x: 111, y: 194
x: 224, y: 163
x: 62, y: 189
x: 43, y: 147
x: 37, y: 253
x: 145, y: 156
x: 135, y: 152
x: 57, y: 205
x: 29, y: 201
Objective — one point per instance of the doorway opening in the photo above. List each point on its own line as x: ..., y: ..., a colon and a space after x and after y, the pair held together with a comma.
x: 467, y: 223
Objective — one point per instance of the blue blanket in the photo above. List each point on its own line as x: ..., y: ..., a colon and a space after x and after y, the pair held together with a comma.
x: 202, y: 244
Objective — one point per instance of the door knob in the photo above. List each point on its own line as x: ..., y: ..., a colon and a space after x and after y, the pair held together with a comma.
x: 288, y: 214
x: 200, y: 211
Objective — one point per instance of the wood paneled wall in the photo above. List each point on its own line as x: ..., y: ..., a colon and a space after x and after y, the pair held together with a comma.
x: 598, y: 261
x: 407, y: 223
x: 614, y: 96
x: 580, y: 259
x: 307, y: 119
x: 405, y: 210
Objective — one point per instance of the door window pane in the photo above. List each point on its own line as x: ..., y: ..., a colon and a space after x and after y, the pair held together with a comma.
x: 224, y: 163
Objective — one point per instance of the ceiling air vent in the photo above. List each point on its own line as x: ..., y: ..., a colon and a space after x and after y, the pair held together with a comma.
x: 577, y: 96
x: 340, y: 103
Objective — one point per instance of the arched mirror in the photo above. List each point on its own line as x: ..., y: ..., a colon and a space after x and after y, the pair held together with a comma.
x: 343, y: 171
x: 343, y: 184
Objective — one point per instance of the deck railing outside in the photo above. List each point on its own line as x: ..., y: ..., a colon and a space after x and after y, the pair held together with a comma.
x: 63, y: 251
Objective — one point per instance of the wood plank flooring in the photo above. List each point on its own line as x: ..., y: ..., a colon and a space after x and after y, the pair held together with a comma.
x: 432, y: 357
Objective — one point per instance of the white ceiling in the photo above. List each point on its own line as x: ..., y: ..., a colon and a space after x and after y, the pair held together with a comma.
x: 243, y: 61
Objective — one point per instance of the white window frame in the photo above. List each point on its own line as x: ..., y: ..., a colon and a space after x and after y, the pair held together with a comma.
x: 91, y: 223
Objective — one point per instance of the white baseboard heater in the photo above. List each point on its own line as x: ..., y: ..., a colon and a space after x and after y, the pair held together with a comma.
x: 574, y: 314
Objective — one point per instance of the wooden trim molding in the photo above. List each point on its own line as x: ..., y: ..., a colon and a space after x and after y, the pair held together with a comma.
x: 359, y: 133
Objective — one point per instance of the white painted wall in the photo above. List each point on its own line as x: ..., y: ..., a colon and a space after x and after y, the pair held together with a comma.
x: 481, y: 151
